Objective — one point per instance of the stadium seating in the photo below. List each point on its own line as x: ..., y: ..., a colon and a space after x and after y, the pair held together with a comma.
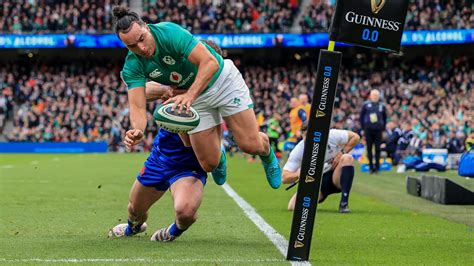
x: 214, y: 16
x: 96, y: 109
x: 37, y: 16
x: 225, y: 16
x: 67, y: 102
x: 439, y: 14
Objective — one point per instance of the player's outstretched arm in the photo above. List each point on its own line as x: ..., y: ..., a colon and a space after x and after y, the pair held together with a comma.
x: 207, y: 67
x: 137, y: 102
x: 292, y: 168
x: 138, y: 118
x: 289, y: 177
x: 155, y: 91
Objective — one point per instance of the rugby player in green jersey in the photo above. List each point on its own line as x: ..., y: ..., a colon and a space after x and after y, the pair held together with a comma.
x: 169, y: 55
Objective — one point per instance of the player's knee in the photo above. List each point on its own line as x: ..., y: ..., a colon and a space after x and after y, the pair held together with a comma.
x: 253, y: 144
x: 134, y: 211
x: 251, y: 147
x: 248, y: 149
x: 209, y: 165
x: 346, y: 160
x: 185, y: 213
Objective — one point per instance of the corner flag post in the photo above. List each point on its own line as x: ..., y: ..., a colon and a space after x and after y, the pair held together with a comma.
x: 382, y: 30
x: 313, y: 156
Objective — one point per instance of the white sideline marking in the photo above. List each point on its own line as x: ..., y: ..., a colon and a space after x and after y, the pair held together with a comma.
x: 143, y: 260
x: 278, y: 240
x: 7, y: 166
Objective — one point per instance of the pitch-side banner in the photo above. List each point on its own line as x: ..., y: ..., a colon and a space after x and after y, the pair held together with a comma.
x: 227, y: 41
x: 372, y: 23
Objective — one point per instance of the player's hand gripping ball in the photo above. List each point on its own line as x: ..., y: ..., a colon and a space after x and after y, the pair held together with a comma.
x: 176, y: 122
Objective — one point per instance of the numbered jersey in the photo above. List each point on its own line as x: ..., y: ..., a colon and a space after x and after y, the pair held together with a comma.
x: 169, y: 64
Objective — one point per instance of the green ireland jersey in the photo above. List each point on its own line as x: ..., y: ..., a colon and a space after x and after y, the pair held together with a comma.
x: 169, y: 64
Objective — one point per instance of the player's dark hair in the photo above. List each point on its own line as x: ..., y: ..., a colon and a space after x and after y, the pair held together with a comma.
x: 124, y: 18
x: 214, y: 46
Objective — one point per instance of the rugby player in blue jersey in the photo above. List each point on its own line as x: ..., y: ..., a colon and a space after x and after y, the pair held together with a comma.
x: 171, y: 165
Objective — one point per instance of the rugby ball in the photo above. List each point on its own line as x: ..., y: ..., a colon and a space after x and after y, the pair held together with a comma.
x: 176, y: 122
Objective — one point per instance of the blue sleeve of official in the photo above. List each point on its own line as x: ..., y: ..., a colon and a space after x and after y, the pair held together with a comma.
x: 302, y: 115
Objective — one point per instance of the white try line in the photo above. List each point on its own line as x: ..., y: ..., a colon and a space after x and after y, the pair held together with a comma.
x: 278, y: 240
x: 138, y: 260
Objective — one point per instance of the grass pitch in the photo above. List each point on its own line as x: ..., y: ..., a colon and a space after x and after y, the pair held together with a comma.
x: 58, y: 208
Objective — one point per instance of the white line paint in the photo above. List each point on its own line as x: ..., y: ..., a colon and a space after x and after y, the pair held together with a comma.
x: 7, y: 166
x: 142, y: 260
x: 278, y: 240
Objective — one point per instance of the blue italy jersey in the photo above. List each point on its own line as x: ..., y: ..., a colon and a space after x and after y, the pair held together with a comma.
x: 168, y: 149
x: 168, y: 162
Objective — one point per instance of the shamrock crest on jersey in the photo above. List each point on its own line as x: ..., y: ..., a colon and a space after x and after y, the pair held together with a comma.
x: 169, y: 60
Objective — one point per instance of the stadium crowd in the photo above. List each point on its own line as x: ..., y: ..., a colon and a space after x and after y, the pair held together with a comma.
x: 440, y: 14
x: 206, y: 16
x: 65, y: 102
x: 49, y: 16
x: 428, y: 97
x: 225, y: 16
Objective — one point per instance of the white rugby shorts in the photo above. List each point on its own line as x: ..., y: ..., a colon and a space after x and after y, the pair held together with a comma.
x: 228, y: 95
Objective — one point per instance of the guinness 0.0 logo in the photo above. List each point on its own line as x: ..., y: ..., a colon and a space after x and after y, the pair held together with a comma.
x: 387, y: 15
x: 309, y: 179
x: 377, y: 5
x: 298, y: 244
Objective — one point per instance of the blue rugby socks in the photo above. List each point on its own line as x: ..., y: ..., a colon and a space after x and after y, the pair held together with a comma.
x: 133, y: 228
x: 175, y: 231
x: 347, y: 175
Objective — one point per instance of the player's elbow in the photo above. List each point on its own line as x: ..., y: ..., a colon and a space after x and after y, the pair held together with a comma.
x: 212, y: 65
x: 356, y: 137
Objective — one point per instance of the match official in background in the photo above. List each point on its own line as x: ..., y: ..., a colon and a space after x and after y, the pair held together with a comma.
x: 373, y: 118
x: 304, y: 101
x: 297, y: 118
